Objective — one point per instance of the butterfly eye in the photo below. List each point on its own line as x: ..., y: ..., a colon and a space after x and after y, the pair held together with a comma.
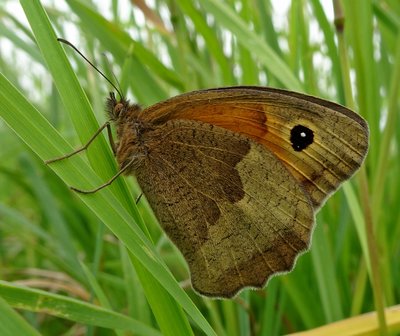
x: 301, y: 137
x: 117, y: 109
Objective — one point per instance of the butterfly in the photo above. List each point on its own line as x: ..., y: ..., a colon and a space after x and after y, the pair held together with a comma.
x: 235, y: 175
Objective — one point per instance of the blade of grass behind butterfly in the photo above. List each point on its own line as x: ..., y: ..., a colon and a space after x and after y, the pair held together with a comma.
x: 368, y: 80
x: 18, y: 35
x: 34, y: 129
x: 384, y: 163
x: 226, y: 17
x: 300, y: 56
x: 151, y: 15
x: 29, y: 233
x: 307, y: 51
x: 248, y: 64
x: 137, y: 77
x: 211, y: 39
x: 116, y: 41
x: 98, y: 291
x: 272, y: 309
x: 36, y: 300
x: 21, y: 224
x: 353, y: 203
x: 38, y: 21
x: 198, y: 63
x: 388, y: 167
x: 18, y: 26
x: 144, y: 86
x: 217, y: 321
x: 184, y: 44
x: 28, y: 47
x: 387, y: 16
x: 359, y: 26
x: 266, y: 25
x: 11, y: 323
x: 389, y: 130
x: 137, y: 306
x: 332, y: 53
x: 299, y: 292
x: 294, y: 36
x: 58, y: 227
x: 205, y: 76
x: 359, y: 49
x: 324, y: 269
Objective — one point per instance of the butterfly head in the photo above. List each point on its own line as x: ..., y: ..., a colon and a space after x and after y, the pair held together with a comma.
x: 130, y: 148
x: 121, y: 110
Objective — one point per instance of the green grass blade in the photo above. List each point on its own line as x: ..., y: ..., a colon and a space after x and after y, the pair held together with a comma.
x: 11, y: 323
x: 57, y: 223
x: 211, y: 39
x: 325, y: 273
x: 253, y: 42
x: 69, y: 308
x: 118, y: 42
x: 332, y: 52
x: 137, y: 304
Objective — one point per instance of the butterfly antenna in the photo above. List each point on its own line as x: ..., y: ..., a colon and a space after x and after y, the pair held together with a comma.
x: 113, y: 74
x: 87, y: 60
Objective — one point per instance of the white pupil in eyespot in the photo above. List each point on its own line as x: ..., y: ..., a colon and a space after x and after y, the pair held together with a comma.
x: 303, y: 135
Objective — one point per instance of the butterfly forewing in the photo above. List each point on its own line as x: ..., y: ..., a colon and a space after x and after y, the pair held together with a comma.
x: 335, y: 138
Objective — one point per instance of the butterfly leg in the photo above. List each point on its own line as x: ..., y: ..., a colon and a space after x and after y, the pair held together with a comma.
x: 84, y: 147
x: 108, y: 182
x: 111, y: 139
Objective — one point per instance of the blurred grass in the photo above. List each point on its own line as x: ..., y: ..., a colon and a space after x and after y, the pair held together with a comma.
x: 159, y: 51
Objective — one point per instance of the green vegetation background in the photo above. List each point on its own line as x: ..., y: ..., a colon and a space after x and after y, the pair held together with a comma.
x: 99, y: 265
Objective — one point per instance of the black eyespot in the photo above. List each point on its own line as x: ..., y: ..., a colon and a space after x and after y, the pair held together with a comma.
x: 301, y: 137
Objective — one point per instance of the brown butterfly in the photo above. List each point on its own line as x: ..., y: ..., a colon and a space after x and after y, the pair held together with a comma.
x: 236, y: 174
